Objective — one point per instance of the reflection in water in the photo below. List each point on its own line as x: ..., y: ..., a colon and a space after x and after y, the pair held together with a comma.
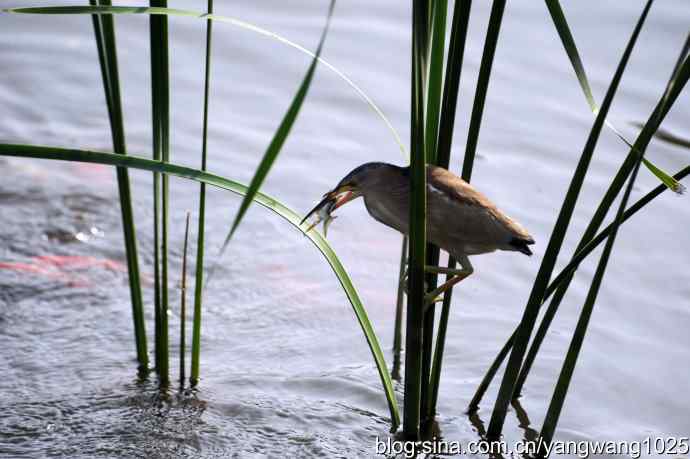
x: 529, y: 433
x: 478, y: 424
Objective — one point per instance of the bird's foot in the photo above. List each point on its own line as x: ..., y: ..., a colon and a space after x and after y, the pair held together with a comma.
x: 436, y: 294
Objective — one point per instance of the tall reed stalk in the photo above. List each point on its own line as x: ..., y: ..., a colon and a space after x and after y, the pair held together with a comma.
x: 199, y: 276
x: 456, y: 51
x: 433, y: 106
x: 159, y: 166
x: 417, y: 245
x: 104, y: 31
x: 524, y: 331
x: 434, y: 88
x: 638, y: 149
x: 160, y: 101
x: 555, y: 407
x: 559, y: 285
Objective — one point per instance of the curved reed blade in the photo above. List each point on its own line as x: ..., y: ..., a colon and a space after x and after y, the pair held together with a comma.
x: 222, y: 19
x: 562, y: 385
x: 278, y: 139
x: 566, y: 36
x: 137, y: 162
x: 561, y: 282
x: 199, y: 276
x: 104, y: 30
x: 564, y: 276
x: 669, y: 97
x: 529, y: 317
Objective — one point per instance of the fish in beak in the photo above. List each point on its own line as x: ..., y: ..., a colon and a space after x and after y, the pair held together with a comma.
x: 330, y: 202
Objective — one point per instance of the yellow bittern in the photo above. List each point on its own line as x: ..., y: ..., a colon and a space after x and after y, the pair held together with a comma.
x: 460, y: 220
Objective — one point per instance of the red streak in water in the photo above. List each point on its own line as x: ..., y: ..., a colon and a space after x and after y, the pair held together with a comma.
x: 63, y: 267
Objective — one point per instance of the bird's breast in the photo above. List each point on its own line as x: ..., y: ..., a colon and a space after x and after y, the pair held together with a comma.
x: 388, y: 213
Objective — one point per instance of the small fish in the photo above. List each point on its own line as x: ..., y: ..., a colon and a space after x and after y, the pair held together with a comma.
x: 325, y: 208
x: 323, y: 213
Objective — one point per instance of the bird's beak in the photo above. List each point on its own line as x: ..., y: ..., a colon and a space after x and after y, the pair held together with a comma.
x: 327, y: 198
x: 331, y: 201
x: 345, y: 198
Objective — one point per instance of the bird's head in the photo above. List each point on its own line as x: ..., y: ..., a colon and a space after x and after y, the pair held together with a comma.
x: 367, y: 178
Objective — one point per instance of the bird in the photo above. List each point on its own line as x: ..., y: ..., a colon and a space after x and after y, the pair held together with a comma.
x: 460, y: 219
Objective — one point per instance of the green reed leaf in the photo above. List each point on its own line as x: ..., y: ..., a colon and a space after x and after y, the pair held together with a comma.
x: 222, y: 19
x: 566, y: 36
x: 553, y: 249
x: 456, y: 50
x: 564, y: 379
x: 669, y: 97
x: 435, y: 81
x: 279, y: 137
x: 280, y: 209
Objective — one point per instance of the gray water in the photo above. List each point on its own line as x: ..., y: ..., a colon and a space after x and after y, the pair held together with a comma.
x: 285, y: 369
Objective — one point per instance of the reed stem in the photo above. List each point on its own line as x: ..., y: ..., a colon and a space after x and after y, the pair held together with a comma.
x: 529, y: 318
x: 437, y: 37
x: 417, y: 257
x: 199, y: 276
x: 160, y: 108
x: 456, y: 50
x: 399, y: 309
x: 183, y: 303
x: 104, y: 30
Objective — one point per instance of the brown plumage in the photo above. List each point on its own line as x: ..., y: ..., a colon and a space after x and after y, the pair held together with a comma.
x: 483, y: 227
x: 460, y: 219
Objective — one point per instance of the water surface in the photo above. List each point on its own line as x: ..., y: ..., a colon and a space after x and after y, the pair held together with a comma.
x: 286, y: 372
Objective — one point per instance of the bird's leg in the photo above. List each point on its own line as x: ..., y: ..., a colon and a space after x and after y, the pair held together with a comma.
x: 436, y: 270
x: 403, y: 279
x: 458, y: 275
x: 447, y: 271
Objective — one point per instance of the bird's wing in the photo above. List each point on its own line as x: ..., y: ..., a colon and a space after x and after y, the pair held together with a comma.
x: 477, y: 215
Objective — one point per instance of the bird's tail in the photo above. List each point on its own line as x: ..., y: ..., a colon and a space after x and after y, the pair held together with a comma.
x: 521, y: 245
